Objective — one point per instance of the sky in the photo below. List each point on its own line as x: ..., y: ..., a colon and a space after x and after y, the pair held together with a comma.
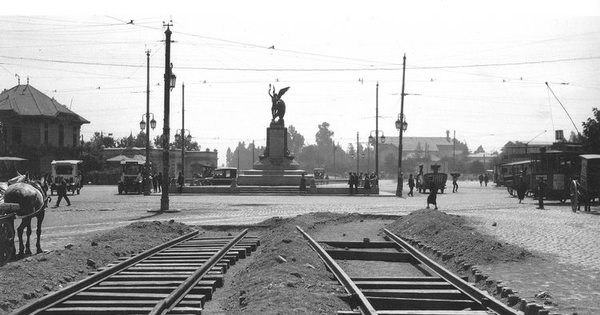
x: 477, y: 68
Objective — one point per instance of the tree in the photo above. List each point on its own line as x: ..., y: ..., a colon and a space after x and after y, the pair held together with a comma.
x: 591, y: 133
x: 476, y: 167
x: 323, y: 136
x: 479, y: 150
x: 295, y: 141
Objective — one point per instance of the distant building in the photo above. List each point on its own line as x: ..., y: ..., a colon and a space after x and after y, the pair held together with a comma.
x: 37, y: 128
x: 196, y: 162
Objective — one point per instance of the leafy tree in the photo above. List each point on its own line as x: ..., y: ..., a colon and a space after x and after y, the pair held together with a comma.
x: 323, y: 136
x: 479, y: 150
x: 295, y: 141
x: 476, y: 167
x: 591, y: 132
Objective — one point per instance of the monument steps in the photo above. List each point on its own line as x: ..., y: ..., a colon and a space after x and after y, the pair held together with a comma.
x: 293, y: 190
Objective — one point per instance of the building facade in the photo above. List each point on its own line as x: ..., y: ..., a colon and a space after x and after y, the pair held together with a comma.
x: 37, y: 128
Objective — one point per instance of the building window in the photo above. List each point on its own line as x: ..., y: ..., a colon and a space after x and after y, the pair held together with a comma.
x: 61, y: 135
x: 75, y: 137
x: 46, y: 133
x: 17, y: 135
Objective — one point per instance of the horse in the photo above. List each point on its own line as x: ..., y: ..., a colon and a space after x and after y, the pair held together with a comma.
x: 31, y: 195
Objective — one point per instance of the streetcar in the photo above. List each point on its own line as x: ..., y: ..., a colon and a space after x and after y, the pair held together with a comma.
x: 509, y: 174
x: 558, y: 168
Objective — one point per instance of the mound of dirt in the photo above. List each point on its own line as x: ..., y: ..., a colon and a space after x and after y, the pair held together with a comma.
x: 453, y: 234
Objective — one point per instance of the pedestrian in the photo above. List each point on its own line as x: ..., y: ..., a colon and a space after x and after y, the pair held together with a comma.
x: 432, y: 198
x: 521, y: 189
x: 154, y: 181
x: 455, y: 177
x: 541, y: 192
x: 303, y: 184
x: 411, y: 185
x: 367, y: 185
x: 180, y: 182
x: 159, y: 180
x: 351, y: 183
x: 480, y: 180
x: 61, y: 191
x: 356, y: 182
x: 486, y: 179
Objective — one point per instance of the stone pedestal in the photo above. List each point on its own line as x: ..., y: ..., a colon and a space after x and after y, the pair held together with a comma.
x: 276, y: 167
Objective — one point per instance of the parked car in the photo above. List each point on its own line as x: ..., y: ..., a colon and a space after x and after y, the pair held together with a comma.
x: 71, y: 171
x: 221, y: 176
x: 131, y: 176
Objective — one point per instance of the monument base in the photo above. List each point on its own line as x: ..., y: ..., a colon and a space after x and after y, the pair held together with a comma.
x: 256, y: 177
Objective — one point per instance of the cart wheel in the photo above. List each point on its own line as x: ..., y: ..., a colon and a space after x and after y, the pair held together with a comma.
x: 7, y: 235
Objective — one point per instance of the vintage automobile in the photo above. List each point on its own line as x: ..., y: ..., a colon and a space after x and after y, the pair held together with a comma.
x: 71, y: 171
x: 220, y: 176
x: 131, y: 176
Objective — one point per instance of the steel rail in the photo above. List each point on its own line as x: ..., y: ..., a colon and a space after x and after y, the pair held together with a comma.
x: 167, y: 304
x: 365, y: 306
x: 484, y: 299
x: 51, y: 300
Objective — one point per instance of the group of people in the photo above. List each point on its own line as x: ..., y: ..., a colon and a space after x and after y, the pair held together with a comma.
x: 156, y: 180
x: 483, y: 178
x: 354, y: 181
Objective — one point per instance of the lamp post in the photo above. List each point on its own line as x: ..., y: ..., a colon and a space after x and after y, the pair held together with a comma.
x: 147, y: 126
x: 180, y: 135
x: 170, y: 80
x: 401, y: 125
x: 375, y: 142
x: 357, y: 154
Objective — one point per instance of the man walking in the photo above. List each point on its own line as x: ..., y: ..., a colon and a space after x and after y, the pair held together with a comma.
x: 541, y: 192
x: 411, y: 185
x: 351, y: 183
x: 61, y: 190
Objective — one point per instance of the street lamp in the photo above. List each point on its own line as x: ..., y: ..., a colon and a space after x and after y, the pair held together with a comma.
x: 180, y: 135
x: 375, y: 141
x: 144, y: 125
x: 170, y: 80
x: 401, y: 126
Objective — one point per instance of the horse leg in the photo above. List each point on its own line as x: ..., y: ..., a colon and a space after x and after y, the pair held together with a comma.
x: 40, y: 219
x: 27, y: 244
x: 20, y: 234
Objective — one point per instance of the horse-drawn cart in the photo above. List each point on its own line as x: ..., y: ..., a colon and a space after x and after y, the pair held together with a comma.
x: 7, y: 231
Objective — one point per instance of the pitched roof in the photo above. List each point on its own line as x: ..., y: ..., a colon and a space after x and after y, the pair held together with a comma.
x: 411, y: 143
x: 25, y: 100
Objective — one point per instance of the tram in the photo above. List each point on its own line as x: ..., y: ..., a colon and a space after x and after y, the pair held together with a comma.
x: 509, y: 173
x: 558, y: 168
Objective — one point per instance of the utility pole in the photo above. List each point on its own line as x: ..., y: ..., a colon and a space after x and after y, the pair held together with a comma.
x: 377, y: 130
x: 164, y: 200
x: 357, y: 154
x: 400, y: 177
x: 183, y: 130
x: 147, y: 175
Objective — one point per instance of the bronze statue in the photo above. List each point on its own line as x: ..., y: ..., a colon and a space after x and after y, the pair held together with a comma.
x: 277, y: 104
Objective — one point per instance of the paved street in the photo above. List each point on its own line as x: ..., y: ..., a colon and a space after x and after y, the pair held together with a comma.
x: 567, y: 241
x: 556, y: 231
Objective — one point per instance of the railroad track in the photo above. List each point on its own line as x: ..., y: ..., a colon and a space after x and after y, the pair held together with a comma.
x: 401, y: 280
x: 177, y: 277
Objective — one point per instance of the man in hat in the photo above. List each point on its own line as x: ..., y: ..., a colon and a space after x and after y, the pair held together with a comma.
x: 541, y: 192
